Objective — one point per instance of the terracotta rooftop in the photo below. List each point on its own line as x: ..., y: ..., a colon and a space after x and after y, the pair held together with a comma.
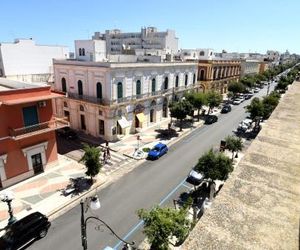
x: 259, y: 205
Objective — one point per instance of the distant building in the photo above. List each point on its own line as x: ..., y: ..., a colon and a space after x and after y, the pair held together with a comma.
x: 112, y: 99
x: 27, y: 137
x: 26, y: 61
x: 249, y: 67
x: 196, y: 54
x: 273, y: 55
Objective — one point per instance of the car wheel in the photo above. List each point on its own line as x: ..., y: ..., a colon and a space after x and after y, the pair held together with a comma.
x: 43, y: 233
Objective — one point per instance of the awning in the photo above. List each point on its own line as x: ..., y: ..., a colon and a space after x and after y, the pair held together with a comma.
x: 123, y: 122
x: 32, y: 99
x: 141, y: 117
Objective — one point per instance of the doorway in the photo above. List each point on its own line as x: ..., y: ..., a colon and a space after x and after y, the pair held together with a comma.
x: 30, y: 116
x: 37, y: 163
x: 137, y: 122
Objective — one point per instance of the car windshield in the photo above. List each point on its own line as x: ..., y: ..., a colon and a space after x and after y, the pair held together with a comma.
x: 156, y: 149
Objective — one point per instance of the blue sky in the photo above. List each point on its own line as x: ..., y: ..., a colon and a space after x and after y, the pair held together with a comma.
x: 233, y: 25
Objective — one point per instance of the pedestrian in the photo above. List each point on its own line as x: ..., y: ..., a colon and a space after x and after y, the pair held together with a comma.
x: 108, y: 153
x: 104, y: 157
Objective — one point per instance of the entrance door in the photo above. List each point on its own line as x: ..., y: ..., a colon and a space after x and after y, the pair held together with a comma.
x: 82, y: 121
x: 37, y: 163
x: 152, y: 115
x: 30, y: 116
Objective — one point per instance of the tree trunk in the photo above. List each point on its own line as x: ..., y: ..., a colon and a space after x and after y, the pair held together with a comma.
x: 232, y: 155
x: 212, y: 189
x: 180, y: 126
x: 209, y: 109
x: 198, y: 115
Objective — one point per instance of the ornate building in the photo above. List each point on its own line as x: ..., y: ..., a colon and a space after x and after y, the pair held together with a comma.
x: 215, y: 74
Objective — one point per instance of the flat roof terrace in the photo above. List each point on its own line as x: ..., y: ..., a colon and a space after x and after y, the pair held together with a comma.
x: 259, y: 205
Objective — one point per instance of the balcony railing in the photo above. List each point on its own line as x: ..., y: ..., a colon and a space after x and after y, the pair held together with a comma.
x: 131, y: 98
x: 56, y: 123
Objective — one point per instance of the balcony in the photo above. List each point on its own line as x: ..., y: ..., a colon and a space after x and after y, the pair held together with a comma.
x: 24, y: 132
x: 91, y: 99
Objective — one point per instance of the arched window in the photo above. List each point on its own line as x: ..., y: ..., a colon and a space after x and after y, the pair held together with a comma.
x: 81, y: 108
x: 83, y: 51
x: 99, y: 90
x: 80, y: 89
x: 177, y: 81
x: 80, y: 53
x: 201, y: 53
x: 138, y: 87
x: 153, y: 87
x: 65, y: 104
x: 194, y: 78
x: 120, y: 90
x: 186, y: 80
x: 63, y: 85
x: 215, y: 74
x: 166, y: 83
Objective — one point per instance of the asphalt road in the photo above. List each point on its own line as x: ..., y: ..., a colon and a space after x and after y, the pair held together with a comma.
x: 149, y: 184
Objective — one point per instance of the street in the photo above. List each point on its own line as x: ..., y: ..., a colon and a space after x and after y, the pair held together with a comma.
x: 153, y: 182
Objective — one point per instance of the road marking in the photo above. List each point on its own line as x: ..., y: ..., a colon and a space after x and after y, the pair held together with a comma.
x: 141, y: 222
x: 189, y: 187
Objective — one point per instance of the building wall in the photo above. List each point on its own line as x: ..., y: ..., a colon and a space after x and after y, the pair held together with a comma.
x: 24, y: 58
x: 128, y: 75
x: 249, y: 67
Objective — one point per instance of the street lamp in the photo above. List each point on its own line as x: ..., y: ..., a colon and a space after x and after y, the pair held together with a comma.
x: 8, y: 196
x: 94, y: 204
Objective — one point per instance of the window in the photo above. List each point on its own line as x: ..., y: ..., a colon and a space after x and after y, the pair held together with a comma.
x: 138, y: 87
x: 82, y: 121
x: 166, y: 83
x: 186, y: 80
x: 194, y: 78
x: 201, y: 53
x: 83, y: 51
x: 100, y: 112
x: 177, y: 81
x: 80, y: 53
x: 65, y: 104
x: 153, y: 85
x: 99, y: 90
x: 120, y: 90
x: 79, y: 85
x: 202, y: 75
x: 101, y: 127
x: 81, y: 108
x: 63, y: 85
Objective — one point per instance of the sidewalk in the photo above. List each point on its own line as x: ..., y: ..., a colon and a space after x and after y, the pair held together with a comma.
x: 44, y: 192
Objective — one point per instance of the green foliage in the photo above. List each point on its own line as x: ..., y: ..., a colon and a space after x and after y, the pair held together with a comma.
x: 269, y: 103
x: 234, y: 144
x: 255, y: 108
x: 91, y: 160
x: 161, y: 223
x: 214, y: 99
x: 146, y: 150
x: 197, y: 100
x: 180, y: 110
x: 249, y: 81
x: 236, y: 87
x: 214, y: 166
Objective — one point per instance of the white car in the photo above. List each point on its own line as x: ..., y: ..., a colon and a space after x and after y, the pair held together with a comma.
x: 256, y: 90
x: 195, y: 178
x: 237, y: 101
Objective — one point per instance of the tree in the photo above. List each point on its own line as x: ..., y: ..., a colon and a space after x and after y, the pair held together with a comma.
x: 236, y: 87
x: 91, y: 160
x: 255, y: 108
x: 180, y: 110
x: 214, y: 166
x: 214, y: 99
x: 162, y: 223
x: 233, y: 144
x: 197, y: 100
x: 269, y: 104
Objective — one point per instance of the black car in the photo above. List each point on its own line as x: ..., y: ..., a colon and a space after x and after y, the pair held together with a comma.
x: 67, y: 133
x: 226, y: 109
x: 211, y: 119
x: 33, y: 226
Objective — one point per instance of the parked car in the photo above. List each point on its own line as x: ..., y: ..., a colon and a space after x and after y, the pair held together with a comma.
x: 211, y: 119
x: 248, y: 96
x: 237, y: 101
x: 256, y: 90
x: 244, y: 125
x: 21, y: 232
x: 67, y: 133
x: 195, y: 178
x: 226, y: 108
x: 157, y: 151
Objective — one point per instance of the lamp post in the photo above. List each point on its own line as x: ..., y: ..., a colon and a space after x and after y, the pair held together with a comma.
x: 95, y: 204
x: 7, y: 197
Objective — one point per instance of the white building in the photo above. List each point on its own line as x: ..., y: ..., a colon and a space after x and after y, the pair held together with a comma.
x: 26, y: 61
x: 108, y: 100
x: 273, y: 55
x: 196, y: 54
x: 147, y: 38
x: 250, y: 67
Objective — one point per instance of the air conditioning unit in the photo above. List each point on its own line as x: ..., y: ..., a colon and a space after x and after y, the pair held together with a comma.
x: 42, y: 104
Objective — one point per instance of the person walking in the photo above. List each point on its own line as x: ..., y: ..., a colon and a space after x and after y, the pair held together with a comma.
x: 104, y: 157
